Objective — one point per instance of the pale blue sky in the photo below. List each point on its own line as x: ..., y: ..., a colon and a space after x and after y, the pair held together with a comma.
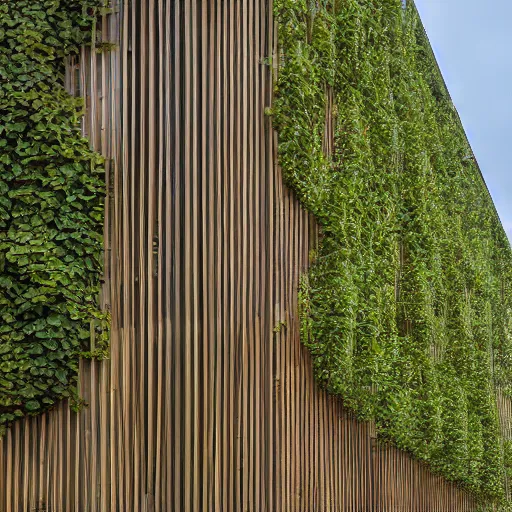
x: 472, y: 40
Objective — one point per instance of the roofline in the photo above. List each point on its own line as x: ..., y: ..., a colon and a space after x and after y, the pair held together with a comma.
x: 431, y: 50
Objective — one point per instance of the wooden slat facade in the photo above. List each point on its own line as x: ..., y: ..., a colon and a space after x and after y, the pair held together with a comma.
x: 207, y: 402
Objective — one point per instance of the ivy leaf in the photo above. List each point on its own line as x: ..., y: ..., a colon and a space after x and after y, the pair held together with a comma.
x: 54, y: 319
x: 32, y: 405
x: 50, y: 344
x: 61, y: 375
x: 16, y: 127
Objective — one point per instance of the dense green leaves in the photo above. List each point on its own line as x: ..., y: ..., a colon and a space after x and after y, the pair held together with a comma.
x: 407, y: 308
x: 51, y: 209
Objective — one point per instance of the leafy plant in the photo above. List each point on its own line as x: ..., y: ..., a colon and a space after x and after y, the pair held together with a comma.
x: 51, y: 209
x: 407, y: 307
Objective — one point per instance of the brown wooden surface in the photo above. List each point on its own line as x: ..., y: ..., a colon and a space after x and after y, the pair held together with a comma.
x: 207, y: 402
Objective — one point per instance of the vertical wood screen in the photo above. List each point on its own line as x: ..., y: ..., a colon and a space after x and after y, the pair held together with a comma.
x: 207, y: 402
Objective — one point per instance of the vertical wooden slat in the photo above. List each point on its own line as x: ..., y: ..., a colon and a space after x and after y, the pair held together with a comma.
x: 192, y: 216
x: 171, y: 425
x: 229, y: 447
x: 178, y: 473
x: 151, y: 380
x: 207, y: 219
x: 159, y: 474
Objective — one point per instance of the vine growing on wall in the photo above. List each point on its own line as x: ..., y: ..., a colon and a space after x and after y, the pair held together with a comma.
x: 51, y: 209
x: 407, y: 307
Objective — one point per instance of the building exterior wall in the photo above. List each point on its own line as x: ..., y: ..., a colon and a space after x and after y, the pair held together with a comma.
x: 207, y: 402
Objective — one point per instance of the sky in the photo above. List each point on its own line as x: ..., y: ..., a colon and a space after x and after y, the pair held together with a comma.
x: 472, y: 41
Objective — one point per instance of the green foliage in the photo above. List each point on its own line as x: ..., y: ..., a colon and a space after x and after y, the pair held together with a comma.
x: 51, y: 209
x: 507, y: 457
x: 407, y: 307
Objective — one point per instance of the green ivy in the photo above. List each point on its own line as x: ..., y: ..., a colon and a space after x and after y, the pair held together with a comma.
x: 51, y: 209
x: 407, y: 308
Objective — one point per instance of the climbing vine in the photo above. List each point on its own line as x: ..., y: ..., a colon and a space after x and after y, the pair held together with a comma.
x: 51, y: 209
x: 407, y: 307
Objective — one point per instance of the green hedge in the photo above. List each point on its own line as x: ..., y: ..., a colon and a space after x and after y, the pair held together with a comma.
x: 407, y: 306
x: 51, y: 209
